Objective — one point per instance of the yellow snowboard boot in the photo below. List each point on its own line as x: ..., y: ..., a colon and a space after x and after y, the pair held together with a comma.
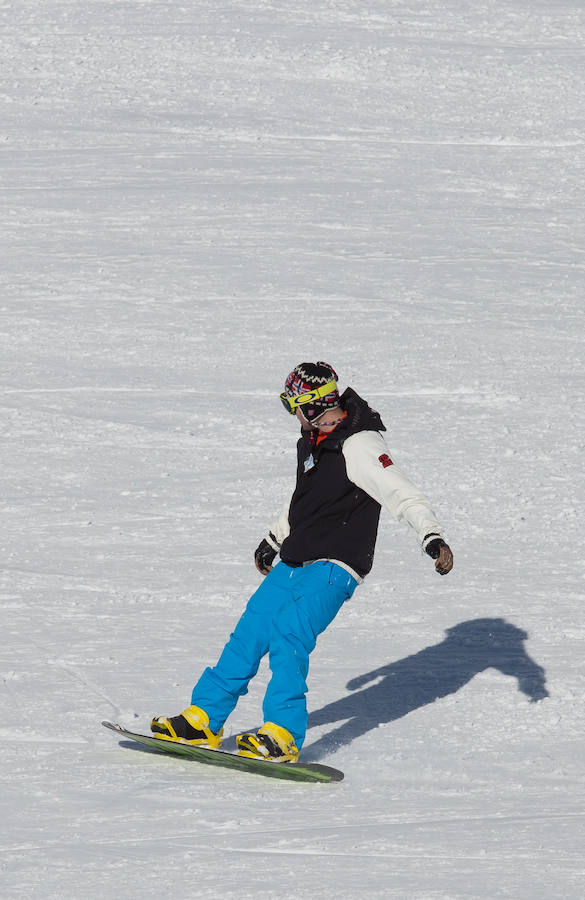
x: 190, y: 727
x: 271, y: 742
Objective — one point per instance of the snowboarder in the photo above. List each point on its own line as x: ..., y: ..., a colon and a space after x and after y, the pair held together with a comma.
x: 325, y: 536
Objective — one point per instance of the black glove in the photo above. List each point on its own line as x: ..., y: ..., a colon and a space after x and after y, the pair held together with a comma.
x: 264, y: 557
x: 439, y: 550
x: 433, y: 548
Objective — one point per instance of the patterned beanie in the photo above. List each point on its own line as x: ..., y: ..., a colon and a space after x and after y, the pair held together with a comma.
x: 306, y: 377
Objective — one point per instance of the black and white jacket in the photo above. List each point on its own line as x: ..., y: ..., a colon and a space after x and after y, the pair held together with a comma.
x: 342, y: 484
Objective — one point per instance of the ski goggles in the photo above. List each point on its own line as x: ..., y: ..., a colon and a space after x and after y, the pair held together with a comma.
x: 291, y: 404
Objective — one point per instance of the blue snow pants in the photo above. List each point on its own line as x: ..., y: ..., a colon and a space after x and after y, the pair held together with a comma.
x: 283, y: 618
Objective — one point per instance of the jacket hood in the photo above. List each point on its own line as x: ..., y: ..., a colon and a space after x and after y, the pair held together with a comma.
x: 360, y: 415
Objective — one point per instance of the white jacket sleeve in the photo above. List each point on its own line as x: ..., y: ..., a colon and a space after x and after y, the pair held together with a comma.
x: 370, y: 467
x: 280, y: 528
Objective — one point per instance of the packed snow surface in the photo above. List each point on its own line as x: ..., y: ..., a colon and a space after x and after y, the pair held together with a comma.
x: 195, y: 198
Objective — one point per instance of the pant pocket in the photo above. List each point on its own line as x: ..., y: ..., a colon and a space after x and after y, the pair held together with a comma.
x: 342, y: 580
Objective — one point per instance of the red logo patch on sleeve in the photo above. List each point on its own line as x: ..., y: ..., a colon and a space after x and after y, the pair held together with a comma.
x: 385, y: 460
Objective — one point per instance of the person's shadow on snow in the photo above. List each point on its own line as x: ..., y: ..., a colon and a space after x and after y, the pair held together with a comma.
x: 406, y: 685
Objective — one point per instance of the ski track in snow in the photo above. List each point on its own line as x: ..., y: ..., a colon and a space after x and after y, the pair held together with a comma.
x: 196, y: 198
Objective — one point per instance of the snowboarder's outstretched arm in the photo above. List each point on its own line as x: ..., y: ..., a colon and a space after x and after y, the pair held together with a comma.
x: 369, y: 465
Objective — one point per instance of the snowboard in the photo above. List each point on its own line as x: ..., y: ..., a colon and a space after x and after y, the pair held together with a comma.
x: 289, y: 771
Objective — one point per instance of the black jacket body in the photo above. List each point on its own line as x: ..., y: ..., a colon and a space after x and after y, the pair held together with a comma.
x: 329, y: 516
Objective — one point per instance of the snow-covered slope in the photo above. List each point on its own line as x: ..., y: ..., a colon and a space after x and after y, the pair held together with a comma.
x: 196, y: 197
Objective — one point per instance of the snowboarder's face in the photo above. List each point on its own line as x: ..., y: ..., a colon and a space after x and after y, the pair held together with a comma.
x: 305, y: 425
x: 324, y: 423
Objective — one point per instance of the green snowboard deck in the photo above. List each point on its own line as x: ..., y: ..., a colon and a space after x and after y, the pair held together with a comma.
x: 289, y: 771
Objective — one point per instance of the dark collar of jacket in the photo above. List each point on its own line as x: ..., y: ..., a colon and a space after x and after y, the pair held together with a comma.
x: 360, y: 417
